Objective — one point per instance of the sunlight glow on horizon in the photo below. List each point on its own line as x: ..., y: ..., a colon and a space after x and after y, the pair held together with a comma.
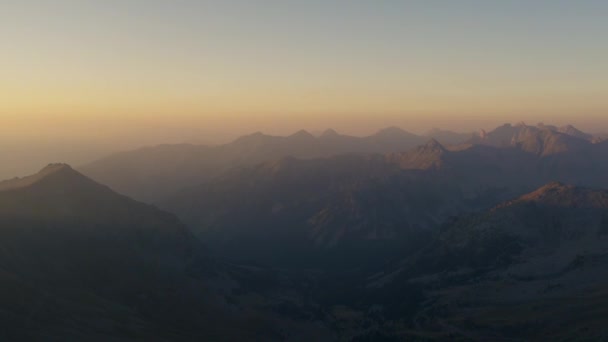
x: 116, y: 65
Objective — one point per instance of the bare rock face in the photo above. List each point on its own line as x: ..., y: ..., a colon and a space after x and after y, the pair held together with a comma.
x: 574, y: 132
x: 541, y: 140
x: 425, y: 157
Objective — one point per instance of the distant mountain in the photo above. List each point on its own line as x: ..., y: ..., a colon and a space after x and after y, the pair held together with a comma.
x: 475, y: 167
x: 152, y: 173
x: 586, y: 167
x: 540, y: 140
x: 394, y: 138
x: 430, y: 156
x: 448, y: 137
x: 574, y: 132
x: 568, y: 130
x: 329, y: 133
x: 545, y: 142
x: 80, y: 262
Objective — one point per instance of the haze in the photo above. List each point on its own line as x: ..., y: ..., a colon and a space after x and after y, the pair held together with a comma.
x: 83, y: 79
x: 303, y: 170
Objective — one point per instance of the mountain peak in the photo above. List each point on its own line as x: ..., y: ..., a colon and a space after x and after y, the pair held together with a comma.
x: 391, y: 131
x: 575, y: 132
x: 254, y: 138
x: 433, y: 144
x: 302, y: 134
x: 425, y: 157
x: 55, y: 167
x: 329, y: 133
x: 541, y: 125
x: 48, y: 171
x: 521, y: 124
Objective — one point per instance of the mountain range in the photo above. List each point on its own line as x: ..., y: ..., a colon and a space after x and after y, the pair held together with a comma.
x: 152, y: 174
x: 489, y: 236
x: 342, y: 205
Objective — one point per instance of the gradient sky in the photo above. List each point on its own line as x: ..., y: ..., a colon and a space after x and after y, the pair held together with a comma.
x: 164, y: 71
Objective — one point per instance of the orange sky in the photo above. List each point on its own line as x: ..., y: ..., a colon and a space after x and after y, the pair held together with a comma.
x: 139, y: 72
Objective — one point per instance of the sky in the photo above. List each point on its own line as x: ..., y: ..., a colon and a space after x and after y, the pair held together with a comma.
x: 123, y: 73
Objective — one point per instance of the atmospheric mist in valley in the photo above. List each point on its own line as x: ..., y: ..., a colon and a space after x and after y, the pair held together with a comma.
x: 303, y: 170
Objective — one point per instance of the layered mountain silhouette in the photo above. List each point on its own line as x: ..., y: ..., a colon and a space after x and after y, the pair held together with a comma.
x: 495, y: 236
x: 152, y: 173
x: 345, y: 202
x: 155, y: 173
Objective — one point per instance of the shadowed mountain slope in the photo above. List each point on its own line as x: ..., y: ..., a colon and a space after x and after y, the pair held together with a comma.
x: 526, y: 269
x: 327, y: 201
x: 341, y: 204
x: 80, y: 262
